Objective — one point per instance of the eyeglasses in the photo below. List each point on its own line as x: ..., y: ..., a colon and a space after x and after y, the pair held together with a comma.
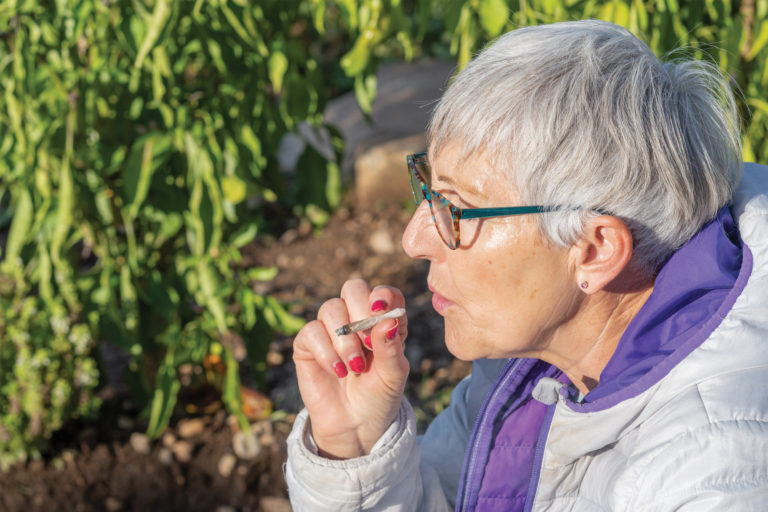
x: 447, y: 215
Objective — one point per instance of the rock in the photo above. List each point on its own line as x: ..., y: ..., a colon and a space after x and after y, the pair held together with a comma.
x: 245, y: 445
x: 168, y: 439
x: 381, y: 242
x: 113, y: 504
x: 275, y: 358
x: 125, y: 423
x: 225, y: 508
x: 406, y: 94
x: 226, y: 464
x: 274, y: 504
x: 165, y: 456
x: 381, y: 171
x: 183, y: 451
x: 267, y: 440
x: 139, y: 443
x: 190, y: 427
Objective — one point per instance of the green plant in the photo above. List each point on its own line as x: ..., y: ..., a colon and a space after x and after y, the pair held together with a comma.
x: 47, y: 372
x: 138, y: 156
x: 731, y: 33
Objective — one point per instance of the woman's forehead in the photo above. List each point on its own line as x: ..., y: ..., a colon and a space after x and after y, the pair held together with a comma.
x: 468, y: 173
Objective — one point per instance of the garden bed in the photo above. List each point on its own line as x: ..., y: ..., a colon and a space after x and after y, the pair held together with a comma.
x: 110, y: 465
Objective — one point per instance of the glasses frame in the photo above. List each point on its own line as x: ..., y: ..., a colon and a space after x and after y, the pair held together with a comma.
x: 458, y: 213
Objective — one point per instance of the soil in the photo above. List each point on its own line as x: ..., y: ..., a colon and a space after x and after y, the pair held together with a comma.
x: 110, y: 465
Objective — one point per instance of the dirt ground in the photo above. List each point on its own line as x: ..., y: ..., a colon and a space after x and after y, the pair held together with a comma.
x: 109, y: 465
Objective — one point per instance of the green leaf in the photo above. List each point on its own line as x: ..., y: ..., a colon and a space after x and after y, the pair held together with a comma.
x: 147, y: 155
x: 262, y: 273
x: 759, y: 43
x: 493, y: 16
x: 759, y: 104
x: 231, y: 392
x: 160, y: 17
x: 278, y: 65
x: 279, y: 319
x: 365, y: 92
x: 164, y: 397
x: 234, y: 189
x: 22, y: 221
x: 244, y: 235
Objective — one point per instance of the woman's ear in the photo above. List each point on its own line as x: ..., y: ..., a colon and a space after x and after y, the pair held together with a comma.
x: 602, y: 253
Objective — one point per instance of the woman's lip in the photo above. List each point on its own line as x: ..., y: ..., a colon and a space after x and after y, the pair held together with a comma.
x: 439, y: 302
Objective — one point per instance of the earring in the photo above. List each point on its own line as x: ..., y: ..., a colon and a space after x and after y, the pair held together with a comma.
x: 584, y: 285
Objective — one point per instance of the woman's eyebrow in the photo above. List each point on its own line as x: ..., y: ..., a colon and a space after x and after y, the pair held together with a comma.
x: 467, y: 190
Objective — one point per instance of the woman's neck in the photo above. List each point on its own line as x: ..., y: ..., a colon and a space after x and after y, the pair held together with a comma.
x: 583, y: 347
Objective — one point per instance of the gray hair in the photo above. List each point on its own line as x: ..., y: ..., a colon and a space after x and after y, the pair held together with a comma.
x: 583, y: 114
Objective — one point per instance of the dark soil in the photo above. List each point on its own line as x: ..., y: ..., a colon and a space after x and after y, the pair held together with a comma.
x: 109, y: 465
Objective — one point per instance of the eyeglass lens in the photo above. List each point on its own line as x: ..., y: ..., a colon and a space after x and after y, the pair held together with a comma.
x: 438, y: 205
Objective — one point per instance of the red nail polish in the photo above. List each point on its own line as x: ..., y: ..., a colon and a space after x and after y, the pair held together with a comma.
x: 393, y: 331
x: 368, y: 342
x: 340, y: 369
x: 356, y: 364
x: 379, y: 305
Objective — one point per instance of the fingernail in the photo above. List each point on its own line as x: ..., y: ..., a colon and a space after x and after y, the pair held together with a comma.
x: 393, y: 331
x: 356, y: 364
x: 379, y: 305
x: 340, y: 369
x: 368, y: 342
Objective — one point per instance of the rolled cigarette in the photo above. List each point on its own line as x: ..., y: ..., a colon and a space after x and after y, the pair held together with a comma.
x: 367, y: 323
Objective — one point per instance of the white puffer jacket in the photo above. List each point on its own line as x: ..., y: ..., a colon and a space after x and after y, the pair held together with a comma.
x: 696, y: 440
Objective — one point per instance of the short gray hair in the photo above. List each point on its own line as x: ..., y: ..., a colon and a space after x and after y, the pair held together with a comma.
x: 584, y: 114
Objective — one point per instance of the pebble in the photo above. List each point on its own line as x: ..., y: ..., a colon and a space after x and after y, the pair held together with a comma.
x: 125, y: 423
x: 245, y: 446
x: 267, y: 440
x: 113, y: 504
x: 182, y: 450
x: 165, y: 456
x: 274, y: 504
x: 381, y: 242
x: 275, y: 358
x: 168, y: 439
x: 139, y: 443
x: 226, y: 464
x: 190, y: 427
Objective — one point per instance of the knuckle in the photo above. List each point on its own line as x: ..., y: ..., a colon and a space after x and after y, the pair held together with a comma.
x: 389, y: 292
x: 330, y: 306
x: 355, y: 287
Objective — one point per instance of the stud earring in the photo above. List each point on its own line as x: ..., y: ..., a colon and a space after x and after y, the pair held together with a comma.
x: 584, y: 285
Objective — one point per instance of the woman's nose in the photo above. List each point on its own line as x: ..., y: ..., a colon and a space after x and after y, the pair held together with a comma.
x: 420, y: 234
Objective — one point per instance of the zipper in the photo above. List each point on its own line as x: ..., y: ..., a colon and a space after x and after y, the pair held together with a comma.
x: 477, y: 430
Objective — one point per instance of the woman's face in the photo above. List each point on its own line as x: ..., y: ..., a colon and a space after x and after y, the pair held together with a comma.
x: 506, y: 291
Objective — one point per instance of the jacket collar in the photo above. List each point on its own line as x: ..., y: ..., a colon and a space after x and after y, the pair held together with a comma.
x: 693, y: 292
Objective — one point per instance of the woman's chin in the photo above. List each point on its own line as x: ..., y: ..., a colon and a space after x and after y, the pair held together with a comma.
x: 462, y: 347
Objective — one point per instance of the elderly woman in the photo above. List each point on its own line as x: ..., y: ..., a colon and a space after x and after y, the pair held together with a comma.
x: 598, y: 251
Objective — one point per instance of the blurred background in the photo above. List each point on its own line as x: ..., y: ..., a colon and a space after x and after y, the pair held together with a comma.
x: 182, y: 183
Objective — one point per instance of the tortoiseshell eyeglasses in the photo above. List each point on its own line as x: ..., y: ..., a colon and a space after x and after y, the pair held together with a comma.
x: 445, y: 214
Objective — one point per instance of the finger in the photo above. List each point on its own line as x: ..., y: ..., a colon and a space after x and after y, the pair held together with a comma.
x: 313, y: 343
x: 385, y: 298
x: 355, y: 293
x: 333, y: 313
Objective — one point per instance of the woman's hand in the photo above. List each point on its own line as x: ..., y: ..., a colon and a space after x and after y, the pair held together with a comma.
x: 352, y: 392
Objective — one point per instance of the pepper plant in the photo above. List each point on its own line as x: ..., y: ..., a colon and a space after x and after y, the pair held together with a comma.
x: 138, y: 156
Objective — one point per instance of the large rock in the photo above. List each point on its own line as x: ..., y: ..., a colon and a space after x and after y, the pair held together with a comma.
x: 375, y: 151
